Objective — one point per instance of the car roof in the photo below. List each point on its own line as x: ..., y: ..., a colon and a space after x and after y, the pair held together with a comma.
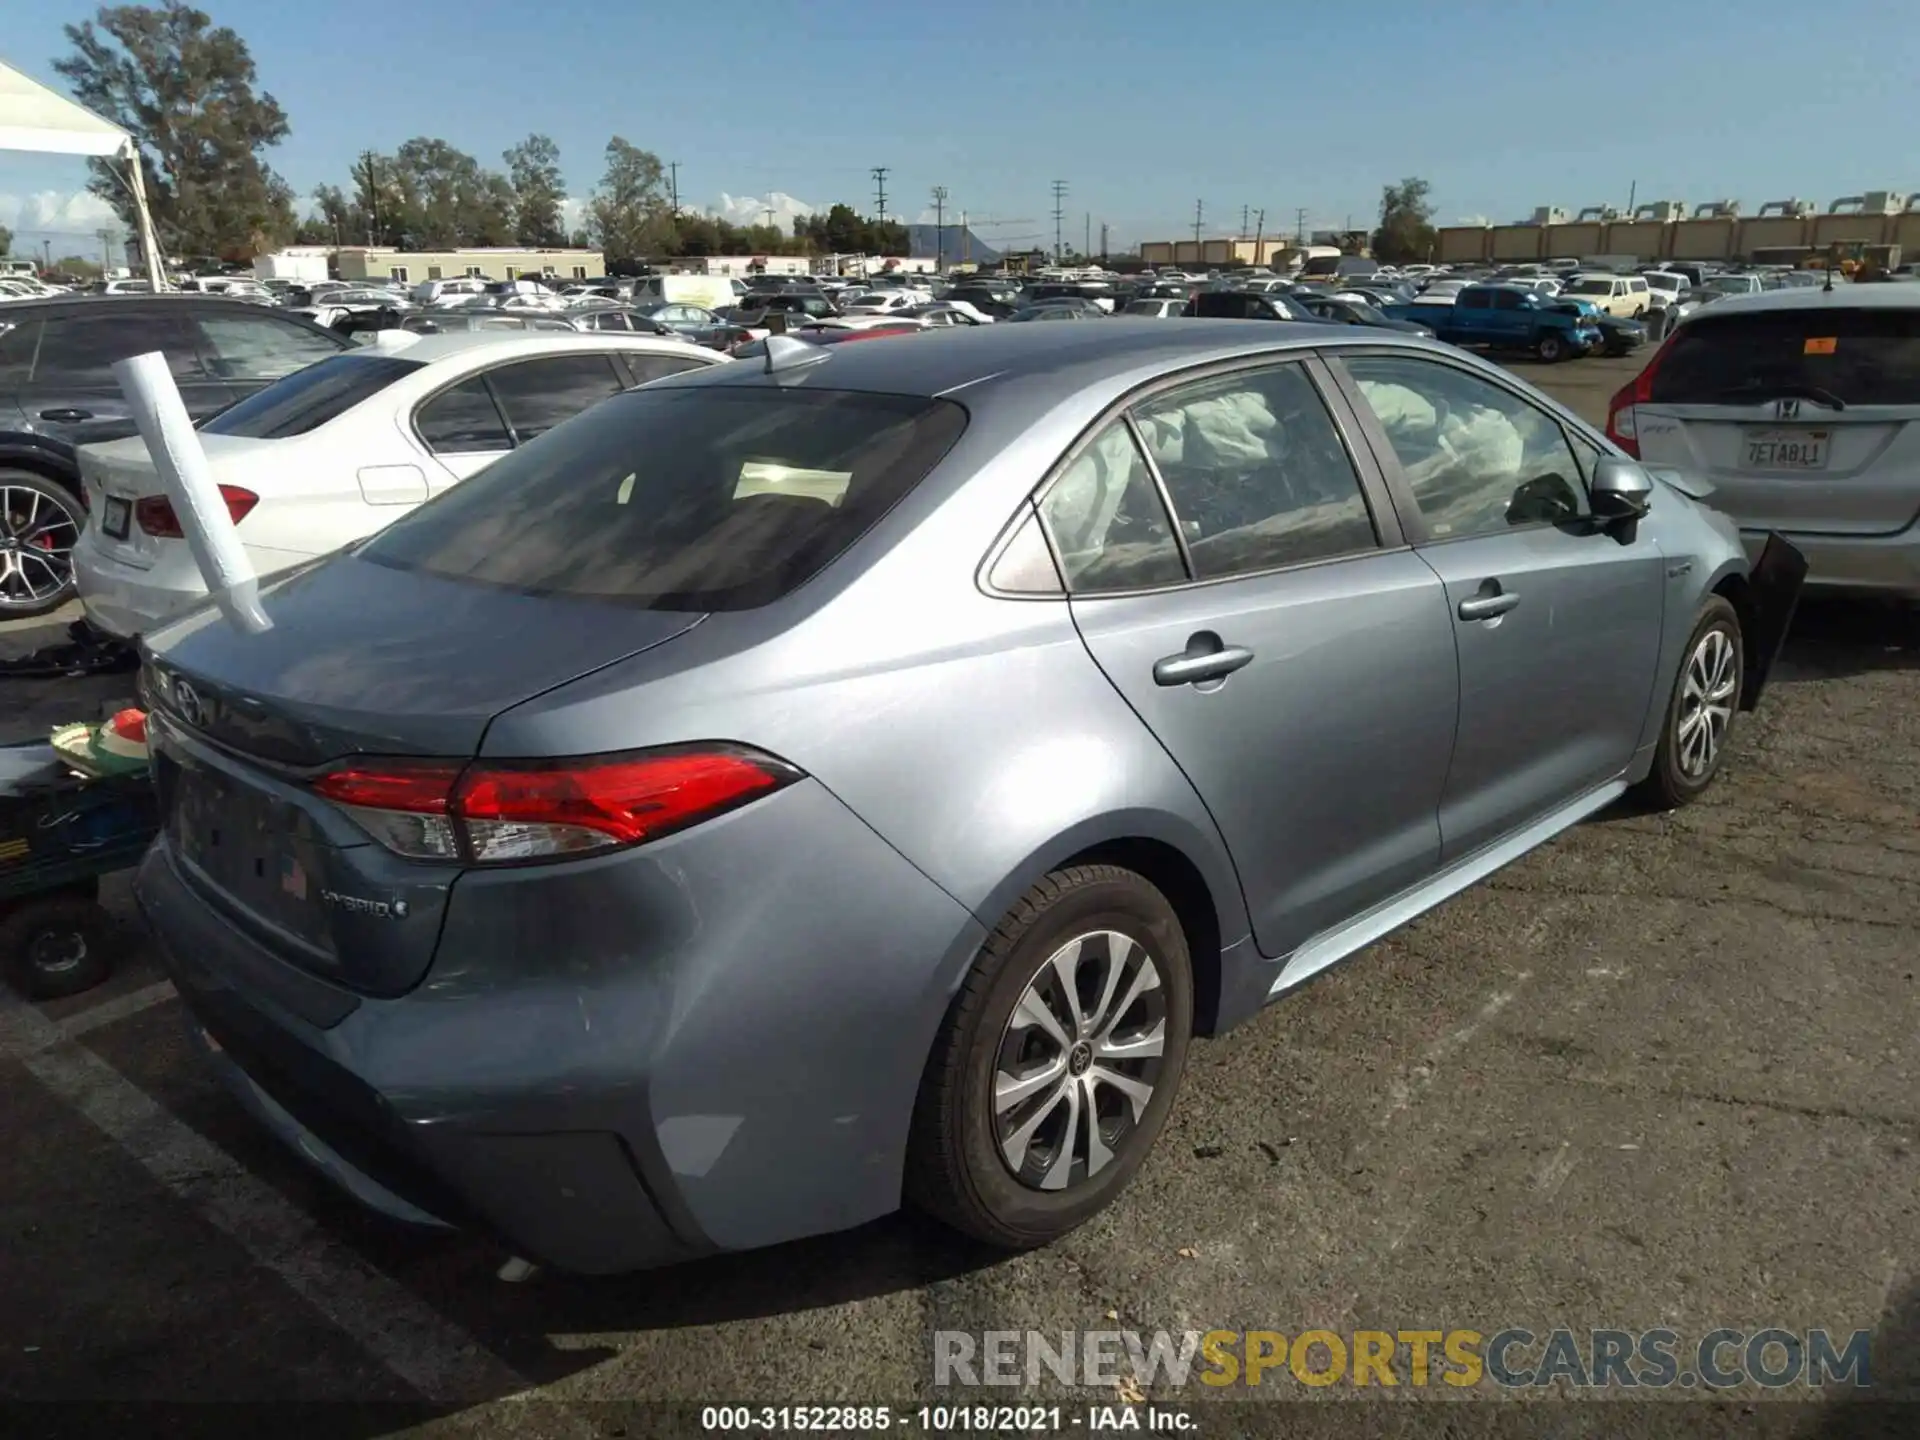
x: 1037, y: 360
x: 1844, y: 296
x: 486, y: 345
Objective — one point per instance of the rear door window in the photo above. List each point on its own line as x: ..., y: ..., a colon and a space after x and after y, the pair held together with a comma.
x: 309, y: 398
x: 260, y: 347
x: 463, y: 420
x: 644, y: 367
x: 536, y: 395
x: 688, y: 498
x: 1859, y: 357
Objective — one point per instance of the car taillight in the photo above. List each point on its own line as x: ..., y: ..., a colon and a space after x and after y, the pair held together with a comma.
x: 154, y: 513
x: 501, y: 812
x: 1622, y: 427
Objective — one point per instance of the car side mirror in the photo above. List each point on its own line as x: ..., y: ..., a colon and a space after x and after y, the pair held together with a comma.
x: 1621, y: 490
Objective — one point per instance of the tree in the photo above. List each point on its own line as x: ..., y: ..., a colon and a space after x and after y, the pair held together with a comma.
x: 78, y: 266
x: 1406, y: 232
x: 628, y: 215
x: 533, y: 167
x: 6, y: 241
x: 184, y: 90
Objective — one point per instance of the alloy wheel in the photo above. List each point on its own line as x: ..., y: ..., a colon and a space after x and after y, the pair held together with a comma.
x: 1707, y: 701
x: 37, y: 536
x: 1079, y: 1060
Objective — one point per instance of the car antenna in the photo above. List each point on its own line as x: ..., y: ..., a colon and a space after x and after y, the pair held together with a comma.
x: 786, y: 353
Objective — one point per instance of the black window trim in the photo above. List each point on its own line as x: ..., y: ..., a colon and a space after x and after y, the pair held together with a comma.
x: 1374, y: 491
x: 1413, y: 521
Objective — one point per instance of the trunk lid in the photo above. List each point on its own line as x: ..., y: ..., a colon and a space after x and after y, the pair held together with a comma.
x: 1804, y: 412
x: 359, y: 659
x: 120, y: 472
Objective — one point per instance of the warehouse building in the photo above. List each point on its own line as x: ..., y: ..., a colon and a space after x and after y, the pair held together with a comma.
x: 383, y: 262
x: 1241, y: 251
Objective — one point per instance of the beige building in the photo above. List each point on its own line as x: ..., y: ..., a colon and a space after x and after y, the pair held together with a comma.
x: 383, y: 262
x: 1268, y: 250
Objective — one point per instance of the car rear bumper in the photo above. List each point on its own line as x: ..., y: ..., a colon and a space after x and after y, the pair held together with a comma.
x: 663, y: 1072
x: 128, y: 601
x: 1857, y: 564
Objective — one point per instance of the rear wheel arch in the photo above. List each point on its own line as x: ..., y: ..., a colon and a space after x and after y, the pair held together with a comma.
x: 1176, y: 877
x: 1737, y: 591
x: 46, y: 465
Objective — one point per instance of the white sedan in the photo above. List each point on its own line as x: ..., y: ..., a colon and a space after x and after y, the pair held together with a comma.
x: 338, y: 450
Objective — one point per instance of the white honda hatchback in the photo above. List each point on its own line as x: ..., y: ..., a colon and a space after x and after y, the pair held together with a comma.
x: 334, y: 452
x: 1801, y: 408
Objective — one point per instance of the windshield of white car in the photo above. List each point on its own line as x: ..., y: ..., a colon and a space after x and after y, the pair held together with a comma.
x: 310, y: 397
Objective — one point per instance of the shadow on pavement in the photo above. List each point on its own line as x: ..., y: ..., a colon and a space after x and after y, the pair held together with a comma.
x: 1835, y: 638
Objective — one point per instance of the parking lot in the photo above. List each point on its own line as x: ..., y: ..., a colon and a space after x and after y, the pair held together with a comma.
x: 1660, y: 1073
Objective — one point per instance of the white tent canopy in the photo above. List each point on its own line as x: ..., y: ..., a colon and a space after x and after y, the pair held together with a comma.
x: 32, y: 117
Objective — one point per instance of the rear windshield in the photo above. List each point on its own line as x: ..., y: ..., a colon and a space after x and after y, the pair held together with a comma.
x: 309, y: 398
x: 682, y: 499
x: 1859, y: 357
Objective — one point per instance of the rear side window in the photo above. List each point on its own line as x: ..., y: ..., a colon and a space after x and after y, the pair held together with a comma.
x: 1859, y: 357
x: 702, y: 498
x: 260, y: 347
x: 463, y: 420
x: 657, y: 367
x: 309, y: 398
x: 537, y: 395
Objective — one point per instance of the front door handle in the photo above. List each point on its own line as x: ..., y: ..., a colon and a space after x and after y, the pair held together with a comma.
x: 66, y: 417
x: 1205, y: 658
x: 1490, y: 602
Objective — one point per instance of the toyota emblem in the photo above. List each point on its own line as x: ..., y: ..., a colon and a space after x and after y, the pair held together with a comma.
x: 187, y: 701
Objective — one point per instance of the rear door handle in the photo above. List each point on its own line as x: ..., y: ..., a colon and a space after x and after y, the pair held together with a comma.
x: 1485, y: 606
x: 66, y: 417
x: 1205, y: 658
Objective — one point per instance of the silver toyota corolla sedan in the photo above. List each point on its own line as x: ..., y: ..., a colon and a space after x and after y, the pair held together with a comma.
x: 854, y: 776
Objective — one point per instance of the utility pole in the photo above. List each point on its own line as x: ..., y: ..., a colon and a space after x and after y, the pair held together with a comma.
x: 1632, y: 195
x: 105, y: 237
x: 879, y: 173
x: 939, y: 227
x: 1059, y: 214
x: 1199, y: 215
x: 673, y: 187
x: 373, y: 198
x: 1259, y: 229
x: 46, y: 256
x: 966, y: 240
x: 767, y: 210
x: 1300, y: 226
x: 1246, y: 215
x: 1086, y: 240
x: 1103, y: 242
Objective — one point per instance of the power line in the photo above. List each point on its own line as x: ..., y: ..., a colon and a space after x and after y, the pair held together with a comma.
x: 1059, y: 215
x: 939, y: 226
x: 879, y: 173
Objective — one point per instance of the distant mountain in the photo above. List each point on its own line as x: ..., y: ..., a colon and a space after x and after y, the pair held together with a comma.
x: 953, y: 244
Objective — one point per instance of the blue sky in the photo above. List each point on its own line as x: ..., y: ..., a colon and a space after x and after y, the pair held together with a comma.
x: 1142, y: 108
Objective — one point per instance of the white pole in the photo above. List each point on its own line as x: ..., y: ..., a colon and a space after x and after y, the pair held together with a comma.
x: 149, y: 243
x: 161, y: 417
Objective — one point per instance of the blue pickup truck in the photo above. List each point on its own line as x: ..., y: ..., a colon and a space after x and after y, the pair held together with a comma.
x: 1506, y: 318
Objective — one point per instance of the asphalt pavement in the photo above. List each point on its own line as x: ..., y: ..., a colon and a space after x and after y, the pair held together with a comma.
x: 1660, y: 1074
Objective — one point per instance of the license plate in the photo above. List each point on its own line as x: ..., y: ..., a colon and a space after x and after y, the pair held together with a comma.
x: 1787, y: 449
x: 114, y: 517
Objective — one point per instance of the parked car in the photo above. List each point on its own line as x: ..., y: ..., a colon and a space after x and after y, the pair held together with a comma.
x: 1802, y: 409
x: 1336, y: 311
x: 1625, y: 296
x: 1156, y: 309
x: 456, y: 321
x: 1057, y: 310
x: 1503, y: 318
x: 58, y: 392
x: 812, y: 809
x: 332, y: 453
x: 1238, y: 305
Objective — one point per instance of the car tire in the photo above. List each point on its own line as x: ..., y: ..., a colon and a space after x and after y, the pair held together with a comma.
x: 1116, y: 936
x: 1706, y: 692
x: 29, y: 503
x: 56, y: 946
x: 1550, y: 348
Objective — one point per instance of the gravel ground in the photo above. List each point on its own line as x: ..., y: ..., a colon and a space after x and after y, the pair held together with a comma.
x: 1660, y: 1073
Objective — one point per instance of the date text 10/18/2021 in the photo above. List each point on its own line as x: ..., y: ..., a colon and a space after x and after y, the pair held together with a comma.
x: 947, y: 1419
